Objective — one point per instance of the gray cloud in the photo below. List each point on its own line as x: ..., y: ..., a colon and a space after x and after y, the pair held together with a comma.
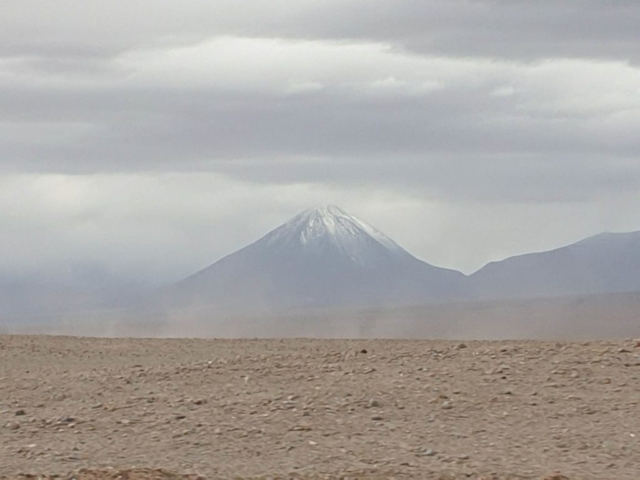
x: 514, y: 29
x: 454, y: 139
x: 517, y: 30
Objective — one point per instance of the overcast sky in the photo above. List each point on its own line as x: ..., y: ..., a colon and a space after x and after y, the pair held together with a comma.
x: 147, y: 139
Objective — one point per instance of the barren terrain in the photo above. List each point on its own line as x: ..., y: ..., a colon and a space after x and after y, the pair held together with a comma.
x: 318, y: 408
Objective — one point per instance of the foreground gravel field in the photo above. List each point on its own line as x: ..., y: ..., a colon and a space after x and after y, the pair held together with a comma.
x: 318, y: 409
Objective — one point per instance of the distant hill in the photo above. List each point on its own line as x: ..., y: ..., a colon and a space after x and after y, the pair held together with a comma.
x: 39, y: 298
x: 605, y: 263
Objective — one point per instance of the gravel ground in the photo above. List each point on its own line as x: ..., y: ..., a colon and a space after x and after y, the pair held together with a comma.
x: 126, y: 408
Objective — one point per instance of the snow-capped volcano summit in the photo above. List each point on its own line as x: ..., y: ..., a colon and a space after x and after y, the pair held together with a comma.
x: 329, y: 229
x: 328, y: 221
x: 322, y: 257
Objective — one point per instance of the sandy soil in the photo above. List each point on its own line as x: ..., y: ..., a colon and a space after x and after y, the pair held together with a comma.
x: 318, y: 408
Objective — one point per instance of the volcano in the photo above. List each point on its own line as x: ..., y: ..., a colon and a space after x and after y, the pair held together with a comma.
x: 323, y: 257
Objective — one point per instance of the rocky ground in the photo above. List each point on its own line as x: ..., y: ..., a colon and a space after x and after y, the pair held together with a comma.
x: 125, y: 408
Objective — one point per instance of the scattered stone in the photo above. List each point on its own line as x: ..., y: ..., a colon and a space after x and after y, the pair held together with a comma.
x: 377, y: 418
x: 364, y: 350
x: 373, y: 403
x: 20, y: 413
x: 300, y: 428
x: 12, y: 425
x: 427, y: 453
x: 447, y: 406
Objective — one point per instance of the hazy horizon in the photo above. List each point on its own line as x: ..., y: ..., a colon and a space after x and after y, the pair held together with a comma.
x: 327, y: 273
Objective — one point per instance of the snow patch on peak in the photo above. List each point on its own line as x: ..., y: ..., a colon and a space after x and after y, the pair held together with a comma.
x: 333, y: 221
x: 319, y: 220
x: 324, y: 211
x: 329, y: 226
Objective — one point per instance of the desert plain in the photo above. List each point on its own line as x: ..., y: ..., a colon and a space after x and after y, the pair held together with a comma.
x: 94, y: 408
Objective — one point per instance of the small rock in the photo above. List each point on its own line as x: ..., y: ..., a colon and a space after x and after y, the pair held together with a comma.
x: 447, y: 406
x: 12, y: 425
x: 461, y: 346
x: 373, y: 403
x: 20, y: 413
x: 180, y: 417
x: 427, y: 453
x: 301, y: 428
x: 377, y: 418
x: 364, y: 350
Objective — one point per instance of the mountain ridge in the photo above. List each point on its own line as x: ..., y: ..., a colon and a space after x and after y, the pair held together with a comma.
x: 608, y: 262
